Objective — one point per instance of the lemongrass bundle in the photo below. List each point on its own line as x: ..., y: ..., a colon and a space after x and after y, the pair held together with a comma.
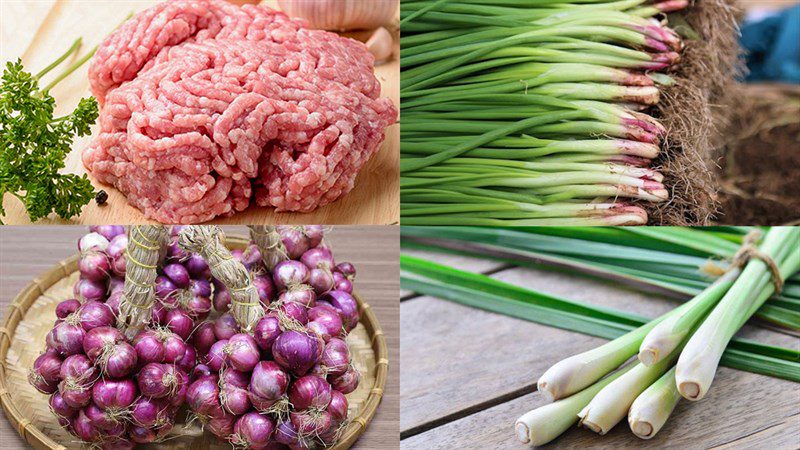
x: 208, y: 241
x: 768, y: 265
x: 146, y: 247
x: 649, y: 389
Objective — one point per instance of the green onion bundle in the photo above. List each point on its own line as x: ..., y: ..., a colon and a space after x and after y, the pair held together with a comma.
x: 532, y: 112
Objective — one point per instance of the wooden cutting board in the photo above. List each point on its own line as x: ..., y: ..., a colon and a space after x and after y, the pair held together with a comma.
x: 38, y: 31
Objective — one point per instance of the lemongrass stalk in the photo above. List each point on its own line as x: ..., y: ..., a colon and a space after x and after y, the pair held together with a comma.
x: 543, y: 424
x: 651, y: 409
x: 698, y: 362
x: 671, y: 332
x: 580, y: 370
x: 575, y: 373
x: 612, y: 403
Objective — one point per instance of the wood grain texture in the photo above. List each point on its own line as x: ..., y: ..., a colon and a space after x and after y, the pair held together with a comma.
x: 741, y: 411
x: 40, y: 30
x: 467, y: 375
x: 26, y: 252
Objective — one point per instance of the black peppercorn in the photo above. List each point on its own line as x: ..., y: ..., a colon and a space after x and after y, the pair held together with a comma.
x: 101, y: 197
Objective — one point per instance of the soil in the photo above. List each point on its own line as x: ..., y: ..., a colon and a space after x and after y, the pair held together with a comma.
x: 760, y: 164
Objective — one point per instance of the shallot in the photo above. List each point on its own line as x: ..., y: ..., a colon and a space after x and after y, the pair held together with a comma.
x: 346, y: 382
x: 310, y: 391
x: 203, y: 337
x: 253, y: 430
x: 266, y: 331
x: 93, y: 314
x: 66, y: 338
x: 296, y: 351
x: 94, y: 265
x: 114, y: 394
x: 203, y: 396
x: 268, y: 382
x: 60, y: 407
x: 67, y: 307
x: 242, y: 352
x: 289, y: 273
x: 160, y: 380
x: 92, y: 241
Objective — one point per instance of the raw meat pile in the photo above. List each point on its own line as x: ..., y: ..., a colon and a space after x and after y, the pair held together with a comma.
x: 206, y: 104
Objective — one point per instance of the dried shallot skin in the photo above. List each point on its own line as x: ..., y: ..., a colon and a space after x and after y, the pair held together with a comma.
x: 207, y: 105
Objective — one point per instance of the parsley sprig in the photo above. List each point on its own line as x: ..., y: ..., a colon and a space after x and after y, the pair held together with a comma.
x: 34, y: 144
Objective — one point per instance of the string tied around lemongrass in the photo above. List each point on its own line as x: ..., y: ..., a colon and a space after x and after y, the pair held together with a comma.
x: 208, y: 242
x: 746, y: 252
x: 749, y: 250
x: 146, y: 247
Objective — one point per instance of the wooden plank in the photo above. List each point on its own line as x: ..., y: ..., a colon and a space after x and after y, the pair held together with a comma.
x: 374, y: 200
x: 26, y: 252
x: 491, y: 358
x: 742, y: 410
x: 20, y: 20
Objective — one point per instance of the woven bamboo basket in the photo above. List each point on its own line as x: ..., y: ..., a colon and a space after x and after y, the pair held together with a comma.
x: 32, y: 314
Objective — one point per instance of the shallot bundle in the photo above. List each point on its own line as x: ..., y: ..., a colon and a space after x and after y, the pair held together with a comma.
x: 252, y: 340
x: 107, y: 389
x: 284, y: 381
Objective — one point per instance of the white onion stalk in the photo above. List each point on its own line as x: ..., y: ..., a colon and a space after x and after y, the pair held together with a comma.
x: 665, y: 337
x: 612, y: 403
x: 653, y: 407
x: 698, y: 362
x: 543, y: 424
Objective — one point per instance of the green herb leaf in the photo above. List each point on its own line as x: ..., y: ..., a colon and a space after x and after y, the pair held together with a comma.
x: 33, y: 146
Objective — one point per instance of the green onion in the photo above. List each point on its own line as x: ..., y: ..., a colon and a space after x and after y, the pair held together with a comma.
x: 528, y: 80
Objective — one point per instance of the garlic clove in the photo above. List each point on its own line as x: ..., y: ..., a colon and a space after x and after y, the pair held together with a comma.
x: 381, y: 44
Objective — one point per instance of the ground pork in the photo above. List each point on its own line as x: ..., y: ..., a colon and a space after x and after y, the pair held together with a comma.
x: 206, y: 105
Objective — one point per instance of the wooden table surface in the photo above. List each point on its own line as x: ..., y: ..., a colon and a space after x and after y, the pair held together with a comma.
x: 467, y: 375
x: 26, y: 252
x: 40, y: 30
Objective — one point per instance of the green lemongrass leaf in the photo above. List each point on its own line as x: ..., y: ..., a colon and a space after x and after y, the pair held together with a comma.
x: 560, y: 245
x: 778, y: 311
x: 444, y: 282
x: 698, y: 239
